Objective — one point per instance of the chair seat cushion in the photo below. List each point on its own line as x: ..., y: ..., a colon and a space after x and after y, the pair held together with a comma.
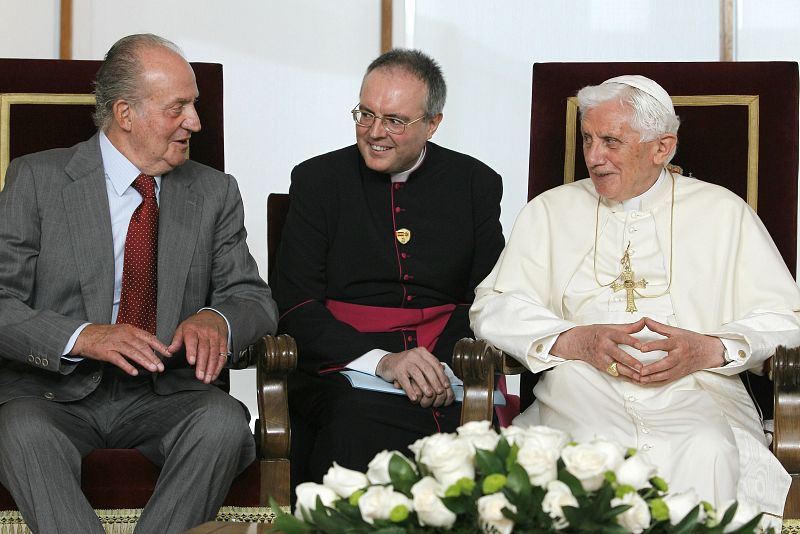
x: 124, y: 478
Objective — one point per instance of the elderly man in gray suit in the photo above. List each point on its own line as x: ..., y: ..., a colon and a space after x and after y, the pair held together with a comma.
x: 125, y: 286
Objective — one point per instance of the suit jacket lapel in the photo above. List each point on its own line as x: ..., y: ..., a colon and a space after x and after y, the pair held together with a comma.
x: 180, y: 211
x: 86, y: 203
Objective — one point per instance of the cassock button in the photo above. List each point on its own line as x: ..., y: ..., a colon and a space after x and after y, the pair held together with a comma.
x: 403, y: 235
x: 398, y: 209
x: 409, y: 298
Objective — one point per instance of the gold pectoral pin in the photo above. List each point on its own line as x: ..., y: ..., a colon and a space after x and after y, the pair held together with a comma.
x: 403, y: 235
x: 627, y: 282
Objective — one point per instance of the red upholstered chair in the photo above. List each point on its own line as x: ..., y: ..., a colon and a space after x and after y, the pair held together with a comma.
x: 739, y: 128
x: 47, y: 104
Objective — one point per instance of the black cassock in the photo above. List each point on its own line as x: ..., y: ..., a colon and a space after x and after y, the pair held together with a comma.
x: 340, y: 243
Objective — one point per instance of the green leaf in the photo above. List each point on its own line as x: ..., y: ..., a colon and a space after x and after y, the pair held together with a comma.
x: 502, y: 449
x: 493, y: 483
x: 355, y: 496
x: 688, y: 523
x: 287, y: 523
x: 660, y: 484
x: 748, y: 527
x: 511, y: 459
x: 518, y: 480
x: 659, y: 509
x: 488, y: 462
x: 624, y: 489
x: 398, y: 514
x: 571, y: 481
x: 402, y: 474
x: 467, y: 485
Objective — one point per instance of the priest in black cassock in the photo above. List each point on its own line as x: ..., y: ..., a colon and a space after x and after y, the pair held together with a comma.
x: 383, y: 246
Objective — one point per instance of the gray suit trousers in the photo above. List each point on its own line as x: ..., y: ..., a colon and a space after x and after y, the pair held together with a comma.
x: 201, y: 440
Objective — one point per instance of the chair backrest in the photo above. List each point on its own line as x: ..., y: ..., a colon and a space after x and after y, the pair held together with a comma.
x: 46, y: 103
x: 739, y: 129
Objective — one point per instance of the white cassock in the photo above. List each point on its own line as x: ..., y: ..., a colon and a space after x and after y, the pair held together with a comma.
x: 727, y: 280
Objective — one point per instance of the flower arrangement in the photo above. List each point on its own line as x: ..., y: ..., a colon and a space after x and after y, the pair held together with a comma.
x: 522, y: 480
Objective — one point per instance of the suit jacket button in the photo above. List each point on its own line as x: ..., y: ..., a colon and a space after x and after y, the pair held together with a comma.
x: 96, y: 377
x: 45, y: 362
x: 49, y: 395
x: 30, y: 358
x: 37, y: 360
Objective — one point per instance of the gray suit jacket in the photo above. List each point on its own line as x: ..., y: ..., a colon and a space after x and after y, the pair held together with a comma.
x: 57, y: 268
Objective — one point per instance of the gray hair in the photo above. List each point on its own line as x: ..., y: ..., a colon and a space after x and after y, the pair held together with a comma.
x: 119, y: 76
x: 420, y: 65
x: 649, y: 116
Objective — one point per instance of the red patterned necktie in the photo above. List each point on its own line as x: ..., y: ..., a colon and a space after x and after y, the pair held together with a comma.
x: 137, y: 302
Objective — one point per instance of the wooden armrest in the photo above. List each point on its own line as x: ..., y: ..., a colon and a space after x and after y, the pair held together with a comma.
x: 475, y: 362
x: 276, y: 357
x: 786, y: 375
x: 786, y: 439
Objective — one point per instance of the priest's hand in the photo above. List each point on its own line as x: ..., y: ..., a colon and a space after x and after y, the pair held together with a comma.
x: 420, y: 374
x: 205, y: 337
x: 598, y: 345
x: 121, y: 344
x: 687, y: 352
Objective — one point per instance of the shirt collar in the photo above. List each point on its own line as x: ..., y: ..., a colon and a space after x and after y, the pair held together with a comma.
x: 118, y: 169
x: 403, y: 176
x: 635, y: 203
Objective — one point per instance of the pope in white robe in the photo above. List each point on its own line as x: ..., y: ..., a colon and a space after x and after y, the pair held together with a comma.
x: 644, y: 294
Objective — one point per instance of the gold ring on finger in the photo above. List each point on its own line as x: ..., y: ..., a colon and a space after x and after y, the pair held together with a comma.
x: 612, y: 369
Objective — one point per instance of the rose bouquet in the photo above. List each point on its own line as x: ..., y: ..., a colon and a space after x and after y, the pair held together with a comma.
x: 521, y: 480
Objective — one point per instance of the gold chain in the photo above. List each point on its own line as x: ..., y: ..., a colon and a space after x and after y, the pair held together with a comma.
x: 671, y: 244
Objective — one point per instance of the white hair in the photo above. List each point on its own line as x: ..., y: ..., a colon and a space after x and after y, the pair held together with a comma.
x: 649, y: 117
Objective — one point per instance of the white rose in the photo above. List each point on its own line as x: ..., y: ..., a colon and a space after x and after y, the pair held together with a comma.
x: 558, y: 495
x: 636, y: 471
x: 428, y: 504
x: 418, y: 445
x: 344, y: 481
x: 378, y: 468
x: 307, y: 493
x: 378, y: 501
x: 490, y: 511
x: 546, y: 437
x: 680, y: 504
x: 513, y: 434
x: 540, y: 464
x: 447, y: 457
x: 588, y: 462
x: 636, y: 518
x: 479, y: 434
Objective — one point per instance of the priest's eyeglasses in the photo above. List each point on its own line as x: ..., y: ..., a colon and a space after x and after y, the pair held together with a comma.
x: 390, y: 124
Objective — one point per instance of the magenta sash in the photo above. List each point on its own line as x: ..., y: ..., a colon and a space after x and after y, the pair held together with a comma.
x: 427, y: 322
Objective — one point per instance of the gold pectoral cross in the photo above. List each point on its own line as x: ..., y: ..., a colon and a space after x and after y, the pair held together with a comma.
x: 627, y: 282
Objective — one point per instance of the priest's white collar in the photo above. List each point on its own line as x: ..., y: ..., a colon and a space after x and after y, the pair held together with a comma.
x: 403, y: 176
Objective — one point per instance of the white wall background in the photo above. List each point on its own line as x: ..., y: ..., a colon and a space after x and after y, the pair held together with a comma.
x: 293, y: 68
